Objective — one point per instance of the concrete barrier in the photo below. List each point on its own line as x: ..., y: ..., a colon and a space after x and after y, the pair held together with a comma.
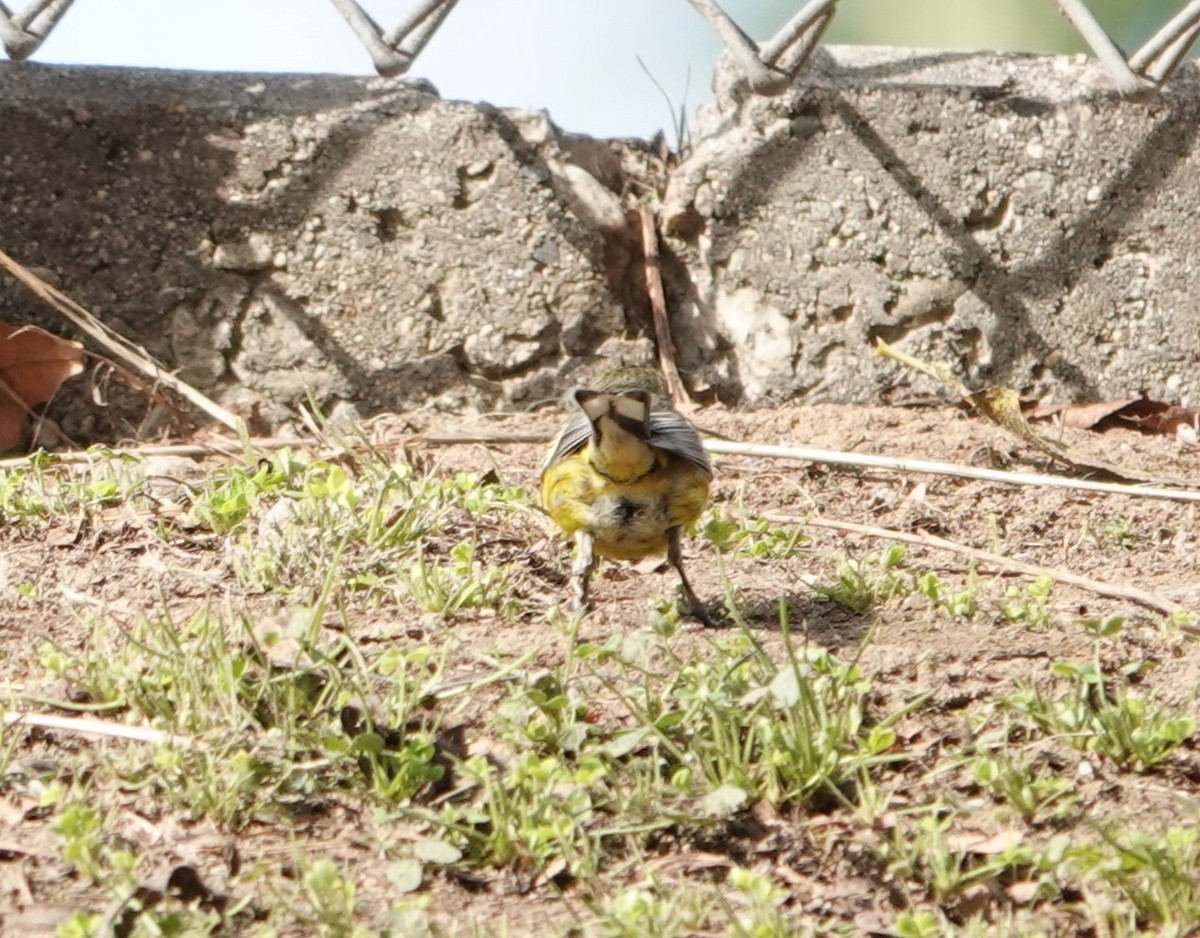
x: 363, y: 240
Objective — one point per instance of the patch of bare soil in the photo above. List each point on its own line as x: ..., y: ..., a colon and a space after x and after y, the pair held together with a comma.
x: 962, y: 662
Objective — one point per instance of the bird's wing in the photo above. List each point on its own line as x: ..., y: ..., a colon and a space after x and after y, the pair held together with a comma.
x: 668, y: 431
x: 571, y: 437
x: 673, y: 433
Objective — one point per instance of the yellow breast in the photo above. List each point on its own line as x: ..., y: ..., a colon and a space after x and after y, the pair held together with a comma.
x: 627, y: 519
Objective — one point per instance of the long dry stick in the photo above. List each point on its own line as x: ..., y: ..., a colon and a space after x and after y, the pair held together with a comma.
x: 658, y: 307
x: 868, y: 461
x: 456, y: 437
x: 215, y: 447
x: 1116, y: 590
x: 728, y: 447
x: 119, y: 345
x: 1002, y: 406
x: 96, y: 727
x: 855, y: 460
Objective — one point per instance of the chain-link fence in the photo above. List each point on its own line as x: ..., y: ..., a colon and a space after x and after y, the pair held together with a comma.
x: 769, y: 67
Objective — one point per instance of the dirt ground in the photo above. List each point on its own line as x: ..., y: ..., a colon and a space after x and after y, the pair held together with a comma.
x: 118, y: 565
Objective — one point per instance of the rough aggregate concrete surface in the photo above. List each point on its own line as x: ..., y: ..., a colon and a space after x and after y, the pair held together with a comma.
x: 1005, y: 214
x: 362, y: 240
x: 273, y: 237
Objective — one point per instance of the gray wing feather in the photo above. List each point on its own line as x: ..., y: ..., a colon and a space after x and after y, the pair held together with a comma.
x: 571, y: 437
x: 669, y: 432
x: 673, y: 433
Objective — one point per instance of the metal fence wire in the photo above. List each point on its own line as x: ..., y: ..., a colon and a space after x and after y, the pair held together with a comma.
x: 769, y: 67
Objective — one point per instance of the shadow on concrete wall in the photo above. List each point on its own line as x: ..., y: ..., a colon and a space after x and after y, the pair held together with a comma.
x: 1080, y: 239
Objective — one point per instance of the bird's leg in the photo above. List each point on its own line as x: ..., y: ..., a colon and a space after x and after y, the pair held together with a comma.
x: 581, y: 571
x: 695, y: 608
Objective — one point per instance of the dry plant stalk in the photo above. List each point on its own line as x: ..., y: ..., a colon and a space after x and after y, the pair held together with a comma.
x: 94, y: 727
x: 658, y: 308
x: 924, y: 539
x: 121, y: 347
x: 924, y: 466
x: 1002, y: 407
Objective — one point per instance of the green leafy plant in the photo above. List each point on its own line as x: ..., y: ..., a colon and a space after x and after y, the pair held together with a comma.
x: 1033, y: 793
x: 758, y: 538
x: 959, y: 604
x: 1105, y: 718
x: 1030, y: 606
x: 861, y: 584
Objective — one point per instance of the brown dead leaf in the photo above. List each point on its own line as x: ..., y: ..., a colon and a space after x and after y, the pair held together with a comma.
x: 1024, y: 891
x: 33, y: 363
x: 974, y: 901
x: 1157, y: 416
x: 1079, y: 416
x: 1141, y: 413
x: 982, y: 844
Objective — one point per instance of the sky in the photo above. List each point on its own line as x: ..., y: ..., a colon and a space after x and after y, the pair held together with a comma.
x: 579, y: 59
x: 576, y: 58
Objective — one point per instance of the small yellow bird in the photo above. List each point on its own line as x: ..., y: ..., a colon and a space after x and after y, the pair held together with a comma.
x: 624, y: 476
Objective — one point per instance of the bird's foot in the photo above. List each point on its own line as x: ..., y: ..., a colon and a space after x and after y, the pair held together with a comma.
x: 580, y: 603
x: 693, y: 608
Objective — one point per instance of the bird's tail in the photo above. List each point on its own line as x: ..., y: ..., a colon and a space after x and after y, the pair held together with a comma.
x: 629, y: 410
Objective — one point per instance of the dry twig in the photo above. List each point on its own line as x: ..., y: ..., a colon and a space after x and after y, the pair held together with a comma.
x: 1002, y: 406
x: 924, y: 539
x: 214, y: 447
x: 96, y: 727
x: 117, y: 344
x: 868, y: 461
x: 658, y: 308
x: 853, y: 460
